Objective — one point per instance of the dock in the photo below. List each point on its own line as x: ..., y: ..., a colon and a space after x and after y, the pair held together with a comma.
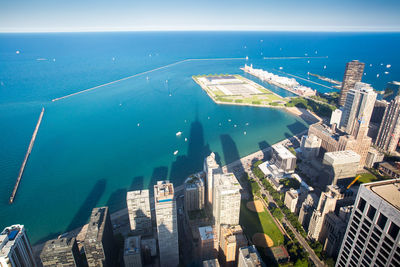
x: 21, y: 171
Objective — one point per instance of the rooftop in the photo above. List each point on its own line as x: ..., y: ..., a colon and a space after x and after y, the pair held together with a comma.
x: 60, y: 243
x: 137, y: 194
x: 342, y: 157
x: 206, y: 233
x: 193, y: 182
x: 227, y: 181
x: 251, y: 256
x: 283, y: 151
x: 8, y: 237
x: 388, y: 190
x: 163, y: 191
x: 211, y: 263
x: 132, y: 245
x: 390, y: 167
x: 96, y: 224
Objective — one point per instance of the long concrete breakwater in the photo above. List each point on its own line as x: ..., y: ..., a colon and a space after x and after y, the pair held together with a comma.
x: 142, y: 73
x: 21, y: 171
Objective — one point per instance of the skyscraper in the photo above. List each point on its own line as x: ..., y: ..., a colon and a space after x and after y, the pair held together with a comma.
x: 389, y: 131
x: 194, y: 193
x: 210, y: 168
x: 231, y: 239
x: 132, y: 252
x: 15, y: 249
x: 353, y: 73
x: 167, y: 226
x: 226, y: 200
x: 138, y: 204
x: 357, y: 109
x: 372, y: 236
x: 61, y: 252
x: 99, y: 239
x: 249, y: 257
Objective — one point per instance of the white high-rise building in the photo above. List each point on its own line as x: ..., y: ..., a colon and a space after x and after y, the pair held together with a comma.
x: 372, y: 237
x: 15, y: 248
x: 335, y: 117
x: 358, y: 109
x: 167, y: 225
x: 226, y: 200
x: 138, y: 204
x: 310, y: 146
x: 389, y: 131
x: 211, y: 167
x: 283, y: 158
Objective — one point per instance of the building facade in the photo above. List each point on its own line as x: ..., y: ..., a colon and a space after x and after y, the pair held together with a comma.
x: 291, y: 199
x: 231, y: 239
x: 372, y: 235
x: 341, y: 165
x: 208, y: 242
x: 99, y: 239
x: 283, y: 158
x: 61, y: 252
x: 132, y: 252
x: 138, y: 204
x: 167, y: 225
x: 310, y: 145
x: 210, y: 168
x: 226, y: 202
x: 353, y: 74
x: 389, y: 131
x: 15, y: 248
x: 307, y: 209
x: 194, y: 193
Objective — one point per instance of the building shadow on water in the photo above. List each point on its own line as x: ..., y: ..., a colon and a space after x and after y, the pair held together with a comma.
x: 83, y: 214
x: 296, y: 127
x: 231, y: 153
x: 191, y: 163
x: 263, y: 145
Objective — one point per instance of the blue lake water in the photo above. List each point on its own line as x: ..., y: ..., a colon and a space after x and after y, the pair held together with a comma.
x: 90, y: 150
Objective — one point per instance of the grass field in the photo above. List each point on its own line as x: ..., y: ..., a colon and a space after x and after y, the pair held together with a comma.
x: 253, y: 222
x: 367, y: 178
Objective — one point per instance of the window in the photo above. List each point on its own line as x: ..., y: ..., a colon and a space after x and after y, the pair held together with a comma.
x: 393, y: 230
x: 376, y: 231
x: 371, y: 212
x: 366, y: 222
x: 381, y: 222
x: 387, y: 240
x: 361, y: 204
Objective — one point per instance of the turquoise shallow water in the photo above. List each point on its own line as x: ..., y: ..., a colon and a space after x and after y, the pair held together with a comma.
x: 90, y: 149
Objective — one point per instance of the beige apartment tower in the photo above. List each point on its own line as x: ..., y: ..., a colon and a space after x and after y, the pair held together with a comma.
x: 138, y: 204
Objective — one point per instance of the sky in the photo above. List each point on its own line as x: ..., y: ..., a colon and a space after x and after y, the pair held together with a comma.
x: 188, y: 15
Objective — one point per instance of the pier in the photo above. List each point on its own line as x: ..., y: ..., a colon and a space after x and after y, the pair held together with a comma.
x: 21, y: 171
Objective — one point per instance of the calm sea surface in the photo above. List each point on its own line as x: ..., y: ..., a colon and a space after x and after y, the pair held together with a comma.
x: 93, y: 147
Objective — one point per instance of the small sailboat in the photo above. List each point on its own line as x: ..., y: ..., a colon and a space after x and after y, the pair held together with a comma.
x: 138, y: 125
x: 325, y: 67
x: 178, y: 133
x: 176, y: 152
x: 377, y: 76
x: 185, y: 139
x: 229, y: 120
x: 244, y: 132
x: 17, y: 52
x: 235, y: 125
x: 388, y: 66
x: 308, y: 61
x: 386, y: 72
x: 281, y: 68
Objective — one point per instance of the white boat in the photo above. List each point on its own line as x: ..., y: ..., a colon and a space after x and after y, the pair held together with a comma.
x: 185, y: 139
x: 377, y: 76
x: 281, y: 68
x: 178, y: 133
x: 113, y: 59
x: 244, y: 132
x: 41, y: 59
x: 208, y: 117
x: 325, y: 67
x: 370, y: 65
x: 176, y: 152
x: 247, y: 58
x: 386, y: 72
x: 247, y: 123
x: 138, y: 124
x: 54, y: 60
x: 235, y: 125
x: 308, y: 61
x: 17, y: 52
x: 388, y: 66
x: 229, y: 120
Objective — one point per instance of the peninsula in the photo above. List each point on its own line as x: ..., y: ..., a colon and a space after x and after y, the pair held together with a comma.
x: 237, y: 90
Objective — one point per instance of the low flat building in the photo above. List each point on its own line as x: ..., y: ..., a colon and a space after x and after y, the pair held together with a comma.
x: 231, y: 239
x: 249, y: 257
x: 283, y: 158
x: 280, y: 254
x: 132, y: 252
x: 61, y: 252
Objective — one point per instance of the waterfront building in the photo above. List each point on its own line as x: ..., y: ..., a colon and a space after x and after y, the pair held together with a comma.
x: 167, y: 225
x: 208, y: 242
x: 226, y: 200
x: 307, y: 209
x: 310, y: 145
x: 333, y: 230
x: 291, y: 199
x: 249, y: 257
x: 373, y: 156
x: 194, y: 193
x: 372, y: 235
x: 358, y: 107
x: 389, y: 131
x: 231, y: 239
x: 392, y: 90
x: 211, y: 167
x: 138, y: 204
x: 61, y: 252
x: 283, y: 158
x: 211, y: 263
x: 335, y: 117
x: 15, y: 248
x: 99, y: 239
x: 132, y: 252
x: 353, y: 74
x: 341, y: 165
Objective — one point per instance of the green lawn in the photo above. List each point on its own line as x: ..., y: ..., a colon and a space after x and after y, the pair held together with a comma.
x: 262, y: 222
x: 367, y: 178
